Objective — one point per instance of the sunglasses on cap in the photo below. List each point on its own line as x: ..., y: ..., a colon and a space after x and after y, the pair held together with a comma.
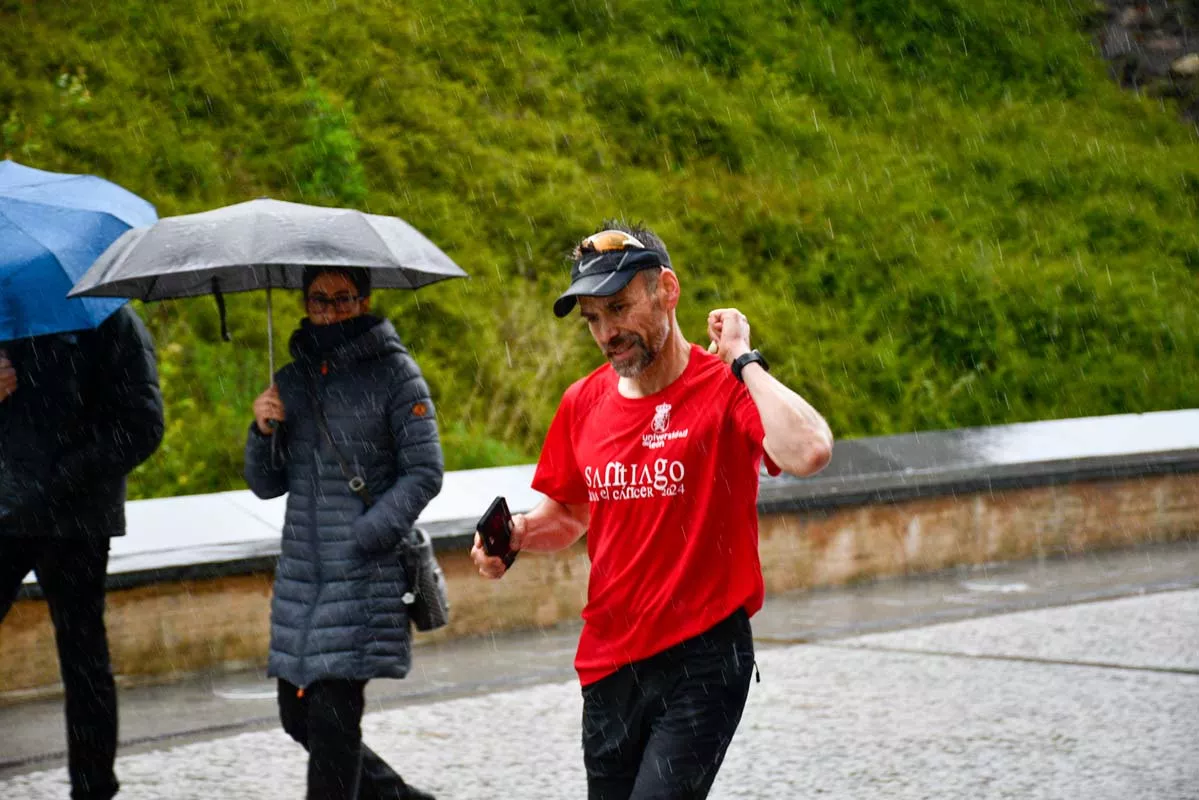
x: 607, y: 241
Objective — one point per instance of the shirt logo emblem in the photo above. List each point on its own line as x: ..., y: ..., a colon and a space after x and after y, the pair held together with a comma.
x: 660, y: 432
x: 661, y: 422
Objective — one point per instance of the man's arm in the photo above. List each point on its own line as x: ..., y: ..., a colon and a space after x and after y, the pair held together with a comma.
x: 797, y: 437
x: 549, y: 527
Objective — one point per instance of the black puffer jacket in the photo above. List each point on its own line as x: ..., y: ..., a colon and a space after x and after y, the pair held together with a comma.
x: 86, y: 411
x: 337, y: 610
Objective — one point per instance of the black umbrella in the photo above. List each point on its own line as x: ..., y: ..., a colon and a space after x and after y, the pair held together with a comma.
x: 261, y: 244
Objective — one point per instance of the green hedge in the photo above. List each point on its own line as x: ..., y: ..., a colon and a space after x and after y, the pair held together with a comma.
x: 935, y: 212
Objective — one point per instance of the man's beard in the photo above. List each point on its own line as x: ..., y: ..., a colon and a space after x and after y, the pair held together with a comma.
x: 634, y: 361
x: 640, y: 354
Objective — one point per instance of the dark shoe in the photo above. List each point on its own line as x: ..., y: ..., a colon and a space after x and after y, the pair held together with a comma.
x: 417, y: 794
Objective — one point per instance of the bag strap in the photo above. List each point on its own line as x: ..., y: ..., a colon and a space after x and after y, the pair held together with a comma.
x: 356, y: 483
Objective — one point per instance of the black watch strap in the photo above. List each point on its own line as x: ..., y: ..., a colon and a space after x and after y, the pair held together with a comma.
x: 742, y: 361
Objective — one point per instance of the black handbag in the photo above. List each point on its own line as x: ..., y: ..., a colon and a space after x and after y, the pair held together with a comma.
x: 427, y: 598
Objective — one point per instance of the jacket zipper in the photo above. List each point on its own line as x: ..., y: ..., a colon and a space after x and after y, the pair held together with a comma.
x: 313, y: 535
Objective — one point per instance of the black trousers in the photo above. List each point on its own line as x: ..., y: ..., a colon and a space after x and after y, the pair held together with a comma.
x: 327, y: 720
x: 659, y: 728
x: 71, y: 574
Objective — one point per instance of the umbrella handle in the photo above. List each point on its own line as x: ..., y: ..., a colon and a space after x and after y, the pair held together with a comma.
x: 276, y: 462
x: 276, y: 459
x: 270, y: 333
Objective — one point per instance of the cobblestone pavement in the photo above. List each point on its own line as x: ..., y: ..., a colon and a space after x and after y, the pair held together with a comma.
x: 1095, y: 701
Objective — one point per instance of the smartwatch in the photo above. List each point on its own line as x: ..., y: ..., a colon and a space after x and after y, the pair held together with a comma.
x: 746, y: 359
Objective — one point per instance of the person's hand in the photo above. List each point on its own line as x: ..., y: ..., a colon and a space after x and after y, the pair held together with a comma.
x: 729, y: 331
x: 8, y: 377
x: 493, y: 566
x: 268, y: 407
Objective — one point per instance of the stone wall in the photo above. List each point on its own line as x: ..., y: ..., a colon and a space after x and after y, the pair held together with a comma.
x: 1152, y: 46
x: 165, y: 630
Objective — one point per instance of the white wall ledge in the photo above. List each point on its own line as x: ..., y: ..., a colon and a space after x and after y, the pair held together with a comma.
x: 234, y: 532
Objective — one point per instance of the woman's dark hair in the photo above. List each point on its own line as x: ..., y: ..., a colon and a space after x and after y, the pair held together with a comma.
x: 359, y: 276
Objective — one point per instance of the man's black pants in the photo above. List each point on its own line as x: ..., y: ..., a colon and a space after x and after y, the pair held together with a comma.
x: 327, y: 721
x: 71, y: 575
x: 659, y: 728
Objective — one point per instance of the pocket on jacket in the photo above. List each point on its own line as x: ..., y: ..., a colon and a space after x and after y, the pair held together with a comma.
x: 386, y: 581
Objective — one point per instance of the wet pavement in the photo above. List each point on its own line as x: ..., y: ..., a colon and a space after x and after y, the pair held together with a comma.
x: 1055, y: 679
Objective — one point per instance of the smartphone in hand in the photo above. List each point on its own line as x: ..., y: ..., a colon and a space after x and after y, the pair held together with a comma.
x: 495, y: 530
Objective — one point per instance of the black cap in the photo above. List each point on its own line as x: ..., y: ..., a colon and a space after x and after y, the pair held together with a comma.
x: 603, y: 272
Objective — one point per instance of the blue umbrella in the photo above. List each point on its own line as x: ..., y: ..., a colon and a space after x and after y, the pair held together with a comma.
x: 52, y: 227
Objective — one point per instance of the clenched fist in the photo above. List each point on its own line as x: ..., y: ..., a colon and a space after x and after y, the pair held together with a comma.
x: 729, y: 331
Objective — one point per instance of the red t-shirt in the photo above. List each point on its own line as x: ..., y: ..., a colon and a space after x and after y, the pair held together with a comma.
x: 672, y: 484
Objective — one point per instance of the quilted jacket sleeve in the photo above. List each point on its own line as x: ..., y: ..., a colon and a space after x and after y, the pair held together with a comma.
x: 266, y: 476
x: 420, y: 465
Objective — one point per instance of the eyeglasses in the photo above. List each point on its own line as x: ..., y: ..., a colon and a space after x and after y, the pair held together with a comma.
x: 339, y: 302
x: 607, y: 241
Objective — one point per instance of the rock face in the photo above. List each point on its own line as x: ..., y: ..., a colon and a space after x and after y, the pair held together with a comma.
x: 1187, y: 66
x: 1153, y: 47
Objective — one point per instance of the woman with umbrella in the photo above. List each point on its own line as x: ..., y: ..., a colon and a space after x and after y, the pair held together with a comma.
x: 348, y: 431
